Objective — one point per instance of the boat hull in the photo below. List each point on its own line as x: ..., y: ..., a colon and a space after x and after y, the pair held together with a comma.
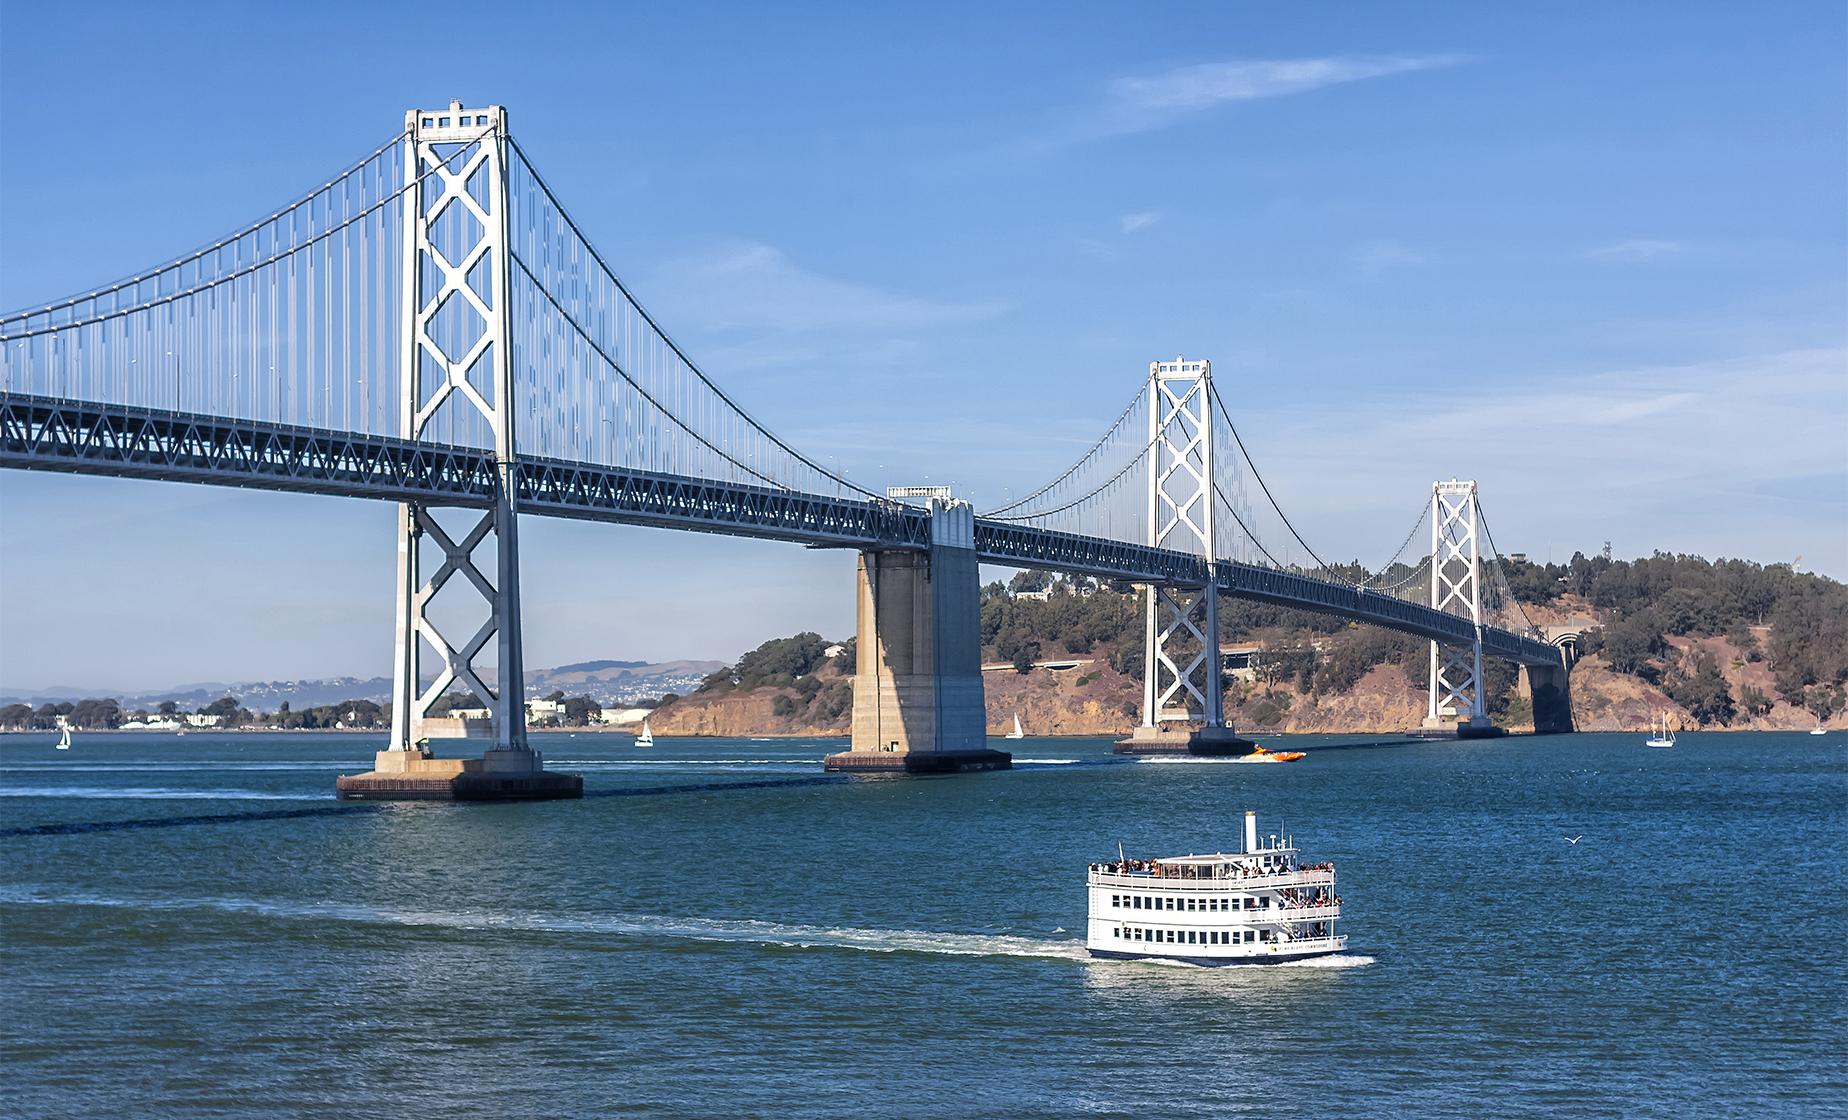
x: 1267, y: 958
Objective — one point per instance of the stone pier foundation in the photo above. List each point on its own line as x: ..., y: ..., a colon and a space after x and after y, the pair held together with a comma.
x: 1549, y: 689
x: 918, y: 705
x: 498, y: 775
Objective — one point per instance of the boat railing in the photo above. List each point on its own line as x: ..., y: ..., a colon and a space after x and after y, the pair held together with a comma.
x: 1325, y: 913
x: 1306, y: 877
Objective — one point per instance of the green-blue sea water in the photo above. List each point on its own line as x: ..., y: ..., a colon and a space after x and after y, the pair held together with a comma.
x: 193, y: 926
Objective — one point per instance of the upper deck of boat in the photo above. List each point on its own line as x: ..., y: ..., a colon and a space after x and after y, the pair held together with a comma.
x: 1211, y: 873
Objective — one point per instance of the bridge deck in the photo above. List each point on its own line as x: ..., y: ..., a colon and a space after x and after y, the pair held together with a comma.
x: 43, y: 433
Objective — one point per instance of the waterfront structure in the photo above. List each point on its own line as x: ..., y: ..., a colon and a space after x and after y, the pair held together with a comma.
x: 431, y: 327
x: 1259, y: 905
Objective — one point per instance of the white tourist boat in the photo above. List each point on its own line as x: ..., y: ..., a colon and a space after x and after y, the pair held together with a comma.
x: 1660, y: 735
x: 1261, y: 905
x: 646, y: 738
x: 1017, y: 733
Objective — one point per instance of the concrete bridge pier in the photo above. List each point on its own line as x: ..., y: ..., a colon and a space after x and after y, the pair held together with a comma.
x: 918, y: 705
x: 1549, y: 689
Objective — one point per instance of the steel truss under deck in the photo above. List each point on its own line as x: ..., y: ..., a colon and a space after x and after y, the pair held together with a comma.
x: 43, y: 433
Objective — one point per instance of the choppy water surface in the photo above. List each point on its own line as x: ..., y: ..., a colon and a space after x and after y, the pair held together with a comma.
x: 193, y: 925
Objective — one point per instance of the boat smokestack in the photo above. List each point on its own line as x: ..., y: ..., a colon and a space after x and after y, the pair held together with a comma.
x: 1251, y: 830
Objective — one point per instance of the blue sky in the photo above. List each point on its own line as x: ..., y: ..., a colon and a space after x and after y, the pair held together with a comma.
x: 1591, y: 255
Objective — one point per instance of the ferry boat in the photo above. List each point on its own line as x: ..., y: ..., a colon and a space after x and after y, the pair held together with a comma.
x: 1262, y: 905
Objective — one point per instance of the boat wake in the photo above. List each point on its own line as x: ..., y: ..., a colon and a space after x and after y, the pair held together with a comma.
x: 156, y: 793
x: 652, y: 927
x: 113, y: 767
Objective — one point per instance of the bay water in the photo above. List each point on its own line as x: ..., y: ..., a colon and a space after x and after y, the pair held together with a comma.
x: 193, y: 926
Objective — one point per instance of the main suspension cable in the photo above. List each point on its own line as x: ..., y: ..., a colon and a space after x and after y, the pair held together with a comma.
x: 610, y: 274
x: 1255, y: 473
x: 200, y: 253
x: 1082, y: 459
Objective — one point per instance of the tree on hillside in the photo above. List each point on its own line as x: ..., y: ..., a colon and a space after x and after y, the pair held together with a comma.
x: 1698, y: 686
x: 1630, y: 644
x: 779, y: 661
x: 1824, y: 701
x: 1025, y: 654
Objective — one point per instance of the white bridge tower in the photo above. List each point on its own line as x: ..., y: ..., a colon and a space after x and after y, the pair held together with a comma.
x: 1182, y: 674
x: 456, y: 387
x: 1456, y: 588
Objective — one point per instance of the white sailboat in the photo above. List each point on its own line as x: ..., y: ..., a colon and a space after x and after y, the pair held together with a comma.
x: 1819, y: 729
x: 1017, y: 733
x: 1660, y: 735
x: 646, y: 738
x: 64, y: 736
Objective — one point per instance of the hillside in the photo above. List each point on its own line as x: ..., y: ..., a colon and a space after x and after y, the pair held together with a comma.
x: 1718, y: 645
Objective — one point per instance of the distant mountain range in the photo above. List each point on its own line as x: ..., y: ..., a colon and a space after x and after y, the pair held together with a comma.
x: 606, y: 682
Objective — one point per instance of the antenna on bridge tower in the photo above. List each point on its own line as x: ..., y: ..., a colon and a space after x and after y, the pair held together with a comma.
x: 1456, y: 587
x: 1182, y: 621
x: 456, y: 372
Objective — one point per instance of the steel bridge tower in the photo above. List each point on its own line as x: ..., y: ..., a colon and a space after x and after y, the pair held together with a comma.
x: 1182, y: 678
x: 1456, y: 587
x: 456, y: 371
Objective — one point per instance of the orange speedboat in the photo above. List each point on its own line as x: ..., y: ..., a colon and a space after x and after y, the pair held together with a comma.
x: 1259, y: 754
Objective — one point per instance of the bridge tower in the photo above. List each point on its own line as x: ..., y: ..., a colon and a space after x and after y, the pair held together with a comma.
x: 455, y: 377
x: 1183, y: 705
x: 1456, y: 693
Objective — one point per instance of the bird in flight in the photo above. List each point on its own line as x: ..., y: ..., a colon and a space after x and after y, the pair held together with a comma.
x: 1573, y: 839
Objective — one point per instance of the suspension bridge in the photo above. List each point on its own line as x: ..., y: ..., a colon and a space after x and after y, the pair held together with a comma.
x: 431, y: 327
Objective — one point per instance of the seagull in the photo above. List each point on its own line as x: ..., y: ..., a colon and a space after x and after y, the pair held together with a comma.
x: 1573, y: 839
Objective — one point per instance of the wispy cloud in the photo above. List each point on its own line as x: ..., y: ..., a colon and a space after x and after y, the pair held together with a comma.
x: 1135, y: 223
x: 1136, y: 104
x: 1374, y: 257
x: 751, y: 286
x: 1735, y: 456
x: 1638, y: 249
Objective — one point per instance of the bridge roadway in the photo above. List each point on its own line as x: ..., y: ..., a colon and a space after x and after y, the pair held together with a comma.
x: 45, y: 433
